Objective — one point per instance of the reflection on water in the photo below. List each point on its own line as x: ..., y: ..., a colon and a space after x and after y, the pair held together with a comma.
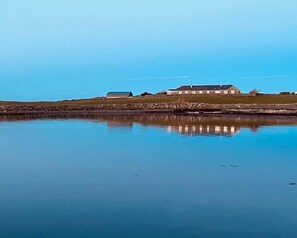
x: 204, y: 130
x: 189, y: 125
x: 185, y: 125
x: 126, y: 176
x: 197, y: 125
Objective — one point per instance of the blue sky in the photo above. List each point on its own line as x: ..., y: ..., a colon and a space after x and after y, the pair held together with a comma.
x: 54, y: 49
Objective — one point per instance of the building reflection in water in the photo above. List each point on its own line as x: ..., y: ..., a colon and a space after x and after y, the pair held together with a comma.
x: 195, y: 125
x: 210, y: 130
x: 119, y: 124
x: 189, y: 125
x: 184, y: 125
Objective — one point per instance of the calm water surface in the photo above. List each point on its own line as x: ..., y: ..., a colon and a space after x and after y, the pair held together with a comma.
x: 148, y: 176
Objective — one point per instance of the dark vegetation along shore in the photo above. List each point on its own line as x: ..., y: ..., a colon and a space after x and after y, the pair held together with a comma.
x: 252, y: 105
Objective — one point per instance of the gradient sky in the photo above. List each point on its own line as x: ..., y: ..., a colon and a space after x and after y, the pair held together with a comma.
x: 55, y: 49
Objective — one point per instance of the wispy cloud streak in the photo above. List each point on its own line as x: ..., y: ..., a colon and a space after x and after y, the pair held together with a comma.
x: 260, y: 77
x: 266, y: 77
x: 161, y: 78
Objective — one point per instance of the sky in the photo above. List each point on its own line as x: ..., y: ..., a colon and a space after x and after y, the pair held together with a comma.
x: 53, y: 49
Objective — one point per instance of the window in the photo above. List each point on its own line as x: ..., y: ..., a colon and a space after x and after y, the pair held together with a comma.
x: 207, y: 92
x: 232, y: 91
x: 180, y: 129
x: 218, y: 129
x: 225, y: 129
x: 232, y: 129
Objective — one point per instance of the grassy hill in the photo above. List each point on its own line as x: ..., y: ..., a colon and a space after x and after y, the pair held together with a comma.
x: 211, y: 99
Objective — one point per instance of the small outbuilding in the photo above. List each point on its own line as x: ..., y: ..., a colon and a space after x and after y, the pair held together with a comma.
x: 119, y: 95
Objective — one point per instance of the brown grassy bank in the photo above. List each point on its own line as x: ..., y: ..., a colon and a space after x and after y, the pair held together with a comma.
x: 263, y: 104
x: 261, y: 99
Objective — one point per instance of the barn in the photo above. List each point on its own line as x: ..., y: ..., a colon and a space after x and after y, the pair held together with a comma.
x: 119, y: 95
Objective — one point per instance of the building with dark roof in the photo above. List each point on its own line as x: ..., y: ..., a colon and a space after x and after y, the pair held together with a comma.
x: 205, y: 89
x: 119, y: 95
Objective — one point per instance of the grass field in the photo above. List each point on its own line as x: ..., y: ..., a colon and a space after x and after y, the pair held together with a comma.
x: 260, y: 99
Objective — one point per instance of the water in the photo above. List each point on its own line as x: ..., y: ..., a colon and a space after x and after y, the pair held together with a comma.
x: 148, y: 176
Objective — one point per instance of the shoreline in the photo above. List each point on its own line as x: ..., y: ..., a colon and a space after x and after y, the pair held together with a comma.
x: 168, y: 108
x: 264, y: 105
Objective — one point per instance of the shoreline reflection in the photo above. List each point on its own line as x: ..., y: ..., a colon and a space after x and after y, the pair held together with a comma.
x: 188, y: 125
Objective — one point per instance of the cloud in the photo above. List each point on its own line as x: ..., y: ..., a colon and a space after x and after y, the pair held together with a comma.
x: 185, y: 77
x: 260, y: 77
x: 161, y: 78
x: 266, y: 77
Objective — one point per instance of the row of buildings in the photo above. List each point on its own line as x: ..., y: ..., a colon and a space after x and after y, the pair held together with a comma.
x: 189, y: 90
x: 205, y: 89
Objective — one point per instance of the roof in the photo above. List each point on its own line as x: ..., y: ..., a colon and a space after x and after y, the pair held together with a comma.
x: 202, y: 87
x: 120, y: 93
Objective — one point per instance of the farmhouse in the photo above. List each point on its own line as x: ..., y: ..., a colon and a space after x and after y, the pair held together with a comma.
x: 119, y: 95
x: 205, y: 89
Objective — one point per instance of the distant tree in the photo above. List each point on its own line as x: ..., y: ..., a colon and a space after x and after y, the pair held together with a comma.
x: 161, y: 93
x: 284, y: 93
x: 145, y: 94
x: 254, y: 92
